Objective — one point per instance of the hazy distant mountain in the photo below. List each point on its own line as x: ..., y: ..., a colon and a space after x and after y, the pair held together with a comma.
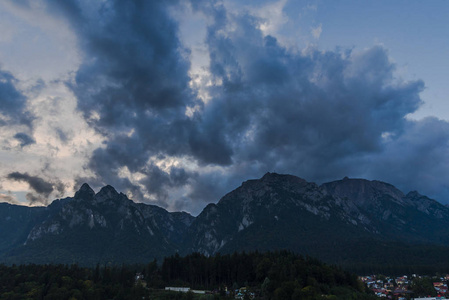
x: 346, y: 221
x: 16, y: 222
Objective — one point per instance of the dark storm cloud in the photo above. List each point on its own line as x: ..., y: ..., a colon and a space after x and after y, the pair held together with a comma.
x: 320, y: 115
x: 417, y: 159
x: 24, y: 139
x: 317, y: 114
x: 38, y: 184
x: 134, y: 88
x: 43, y: 188
x: 137, y: 61
x: 160, y: 181
x: 12, y: 102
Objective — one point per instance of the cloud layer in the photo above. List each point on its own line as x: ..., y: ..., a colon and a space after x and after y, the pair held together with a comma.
x: 321, y: 115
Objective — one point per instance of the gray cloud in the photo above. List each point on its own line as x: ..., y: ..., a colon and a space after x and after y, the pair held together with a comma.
x: 317, y: 114
x: 417, y: 159
x: 24, y: 139
x: 43, y: 188
x: 158, y: 181
x: 9, y: 198
x: 36, y: 198
x: 36, y: 183
x: 12, y: 102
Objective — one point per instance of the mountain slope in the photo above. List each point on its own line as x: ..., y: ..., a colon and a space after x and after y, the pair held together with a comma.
x: 343, y: 221
x: 349, y: 221
x: 277, y: 211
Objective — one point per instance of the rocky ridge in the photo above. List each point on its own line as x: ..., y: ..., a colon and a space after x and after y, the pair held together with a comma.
x: 334, y: 221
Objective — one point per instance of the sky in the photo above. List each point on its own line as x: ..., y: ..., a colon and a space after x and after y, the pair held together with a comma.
x: 175, y: 103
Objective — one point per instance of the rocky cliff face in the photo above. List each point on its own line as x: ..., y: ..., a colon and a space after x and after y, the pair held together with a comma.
x: 362, y: 192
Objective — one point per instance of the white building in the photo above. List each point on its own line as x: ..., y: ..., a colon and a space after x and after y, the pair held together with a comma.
x: 431, y: 298
x: 177, y: 289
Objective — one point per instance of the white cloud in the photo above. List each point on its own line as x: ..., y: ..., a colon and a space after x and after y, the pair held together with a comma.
x: 316, y: 32
x: 273, y: 17
x: 36, y: 45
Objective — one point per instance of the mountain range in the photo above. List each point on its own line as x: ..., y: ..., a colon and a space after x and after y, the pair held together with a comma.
x: 348, y: 222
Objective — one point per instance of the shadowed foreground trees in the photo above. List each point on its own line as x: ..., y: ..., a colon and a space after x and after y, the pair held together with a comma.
x: 272, y: 275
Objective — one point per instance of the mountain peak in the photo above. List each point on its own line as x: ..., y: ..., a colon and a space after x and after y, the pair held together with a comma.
x: 106, y: 193
x: 270, y: 176
x: 273, y: 177
x: 85, y: 192
x: 413, y: 194
x: 362, y: 191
